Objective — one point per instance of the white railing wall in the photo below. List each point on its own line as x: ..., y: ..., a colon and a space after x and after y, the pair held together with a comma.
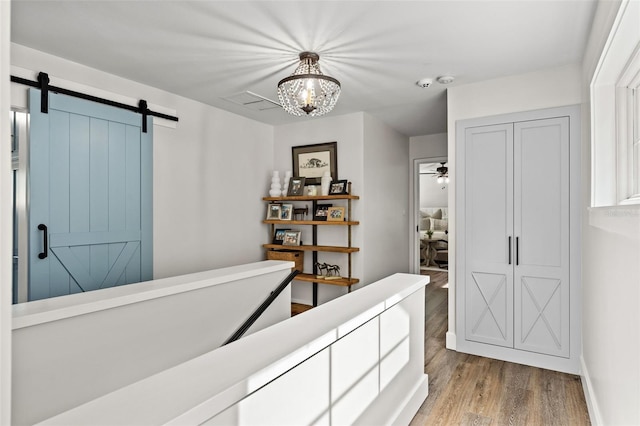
x: 72, y: 349
x: 358, y: 359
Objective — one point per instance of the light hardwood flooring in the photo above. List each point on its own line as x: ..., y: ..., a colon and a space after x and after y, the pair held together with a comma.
x: 471, y: 390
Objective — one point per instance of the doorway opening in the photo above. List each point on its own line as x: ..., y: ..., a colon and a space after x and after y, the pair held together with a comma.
x: 431, y: 214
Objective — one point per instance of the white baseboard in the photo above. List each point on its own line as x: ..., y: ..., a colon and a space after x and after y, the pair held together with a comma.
x: 451, y: 341
x: 413, y: 403
x: 589, y: 395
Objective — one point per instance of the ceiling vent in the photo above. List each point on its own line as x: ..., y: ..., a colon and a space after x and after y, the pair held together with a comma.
x: 252, y: 101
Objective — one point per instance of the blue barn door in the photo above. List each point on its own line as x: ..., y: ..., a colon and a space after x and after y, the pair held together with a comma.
x: 90, y: 197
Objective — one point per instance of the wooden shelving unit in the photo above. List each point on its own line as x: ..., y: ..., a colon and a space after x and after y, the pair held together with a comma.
x: 315, y: 248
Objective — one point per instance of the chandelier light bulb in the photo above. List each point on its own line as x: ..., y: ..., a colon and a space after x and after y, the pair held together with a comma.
x: 446, y: 180
x: 440, y: 179
x: 307, y: 91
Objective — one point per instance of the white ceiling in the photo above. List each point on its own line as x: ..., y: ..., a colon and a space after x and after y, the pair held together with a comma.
x: 208, y: 50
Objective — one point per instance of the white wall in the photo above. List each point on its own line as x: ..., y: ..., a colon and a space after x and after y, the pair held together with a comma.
x: 611, y: 273
x: 428, y: 146
x: 386, y: 196
x: 374, y: 158
x: 536, y: 90
x: 348, y: 131
x: 210, y: 172
x: 432, y: 193
x: 6, y: 249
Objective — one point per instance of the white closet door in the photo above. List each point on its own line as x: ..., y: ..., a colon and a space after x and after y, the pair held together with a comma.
x: 488, y: 219
x: 541, y: 227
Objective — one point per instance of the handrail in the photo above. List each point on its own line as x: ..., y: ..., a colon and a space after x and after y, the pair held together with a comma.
x: 260, y: 309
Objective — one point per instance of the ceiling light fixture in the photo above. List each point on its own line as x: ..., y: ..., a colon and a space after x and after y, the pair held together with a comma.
x: 445, y: 79
x: 307, y: 91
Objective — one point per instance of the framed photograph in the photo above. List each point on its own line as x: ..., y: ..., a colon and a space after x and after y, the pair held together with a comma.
x: 338, y: 187
x: 321, y: 212
x: 273, y: 211
x: 296, y: 186
x: 311, y: 161
x: 286, y: 211
x: 335, y: 214
x: 278, y: 236
x: 291, y: 238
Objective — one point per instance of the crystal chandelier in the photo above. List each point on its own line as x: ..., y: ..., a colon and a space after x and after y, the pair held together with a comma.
x: 307, y: 91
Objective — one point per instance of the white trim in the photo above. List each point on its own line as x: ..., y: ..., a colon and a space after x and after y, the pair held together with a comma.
x: 414, y: 205
x: 63, y: 307
x: 6, y: 243
x: 451, y: 341
x: 589, y: 395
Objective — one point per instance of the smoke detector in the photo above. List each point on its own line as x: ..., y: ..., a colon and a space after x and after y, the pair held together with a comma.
x: 445, y: 79
x: 424, y: 82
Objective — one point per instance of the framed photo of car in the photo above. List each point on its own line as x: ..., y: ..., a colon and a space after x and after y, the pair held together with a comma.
x: 311, y: 161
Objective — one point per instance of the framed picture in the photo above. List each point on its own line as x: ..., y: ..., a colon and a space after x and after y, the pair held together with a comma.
x: 338, y: 187
x: 278, y: 236
x: 335, y: 214
x: 311, y: 161
x: 296, y: 186
x: 321, y: 212
x: 291, y: 238
x: 286, y: 211
x: 273, y: 211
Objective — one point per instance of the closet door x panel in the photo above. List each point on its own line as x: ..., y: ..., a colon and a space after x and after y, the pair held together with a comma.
x: 541, y: 229
x: 488, y: 277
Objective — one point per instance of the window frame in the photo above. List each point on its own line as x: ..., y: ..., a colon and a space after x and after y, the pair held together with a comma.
x: 615, y: 118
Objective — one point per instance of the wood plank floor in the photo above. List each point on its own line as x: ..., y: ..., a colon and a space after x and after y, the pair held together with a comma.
x: 471, y: 390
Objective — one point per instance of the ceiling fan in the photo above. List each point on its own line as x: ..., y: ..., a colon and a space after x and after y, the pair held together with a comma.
x: 441, y: 173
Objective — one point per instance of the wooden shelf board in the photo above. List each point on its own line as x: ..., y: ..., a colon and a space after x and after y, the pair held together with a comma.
x: 310, y: 222
x: 345, y: 282
x: 314, y: 197
x: 328, y: 249
x: 298, y: 308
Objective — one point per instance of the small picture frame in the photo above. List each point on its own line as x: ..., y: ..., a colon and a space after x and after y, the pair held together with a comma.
x: 286, y: 211
x: 278, y: 236
x: 273, y: 211
x: 338, y: 187
x: 335, y: 214
x: 321, y: 212
x: 291, y: 238
x: 296, y: 187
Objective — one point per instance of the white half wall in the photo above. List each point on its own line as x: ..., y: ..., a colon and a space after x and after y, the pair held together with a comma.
x: 70, y: 350
x: 210, y: 171
x: 536, y: 90
x: 611, y: 273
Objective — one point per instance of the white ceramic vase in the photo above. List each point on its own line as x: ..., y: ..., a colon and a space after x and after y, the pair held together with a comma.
x: 325, y: 183
x: 276, y: 188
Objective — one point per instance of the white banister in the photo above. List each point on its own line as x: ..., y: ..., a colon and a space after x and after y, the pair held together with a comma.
x: 72, y: 349
x: 358, y: 359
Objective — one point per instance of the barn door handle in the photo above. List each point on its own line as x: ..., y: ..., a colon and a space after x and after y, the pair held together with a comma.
x: 45, y: 253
